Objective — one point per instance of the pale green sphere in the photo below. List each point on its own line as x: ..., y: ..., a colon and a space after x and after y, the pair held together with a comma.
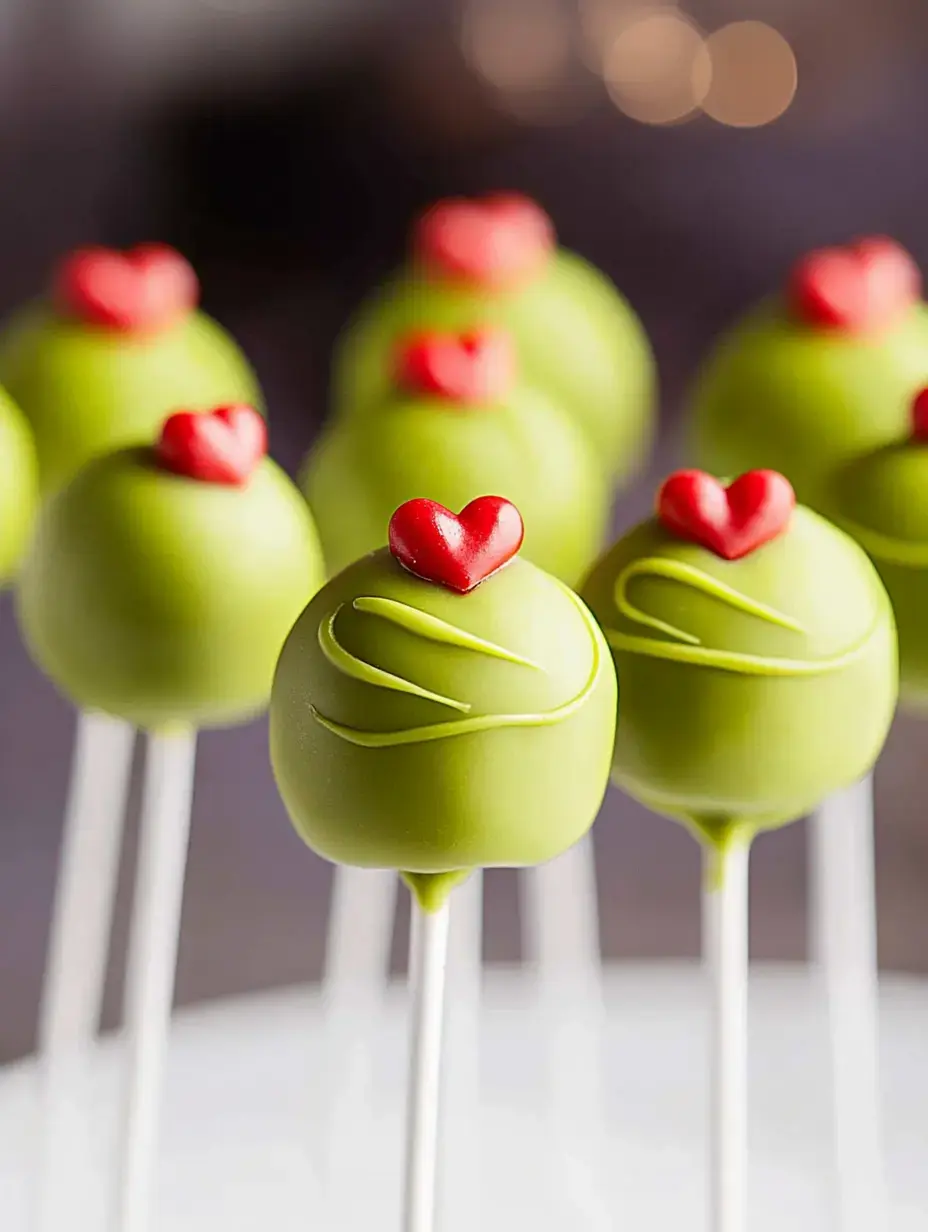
x: 87, y: 390
x: 416, y: 728
x: 163, y: 599
x: 750, y: 689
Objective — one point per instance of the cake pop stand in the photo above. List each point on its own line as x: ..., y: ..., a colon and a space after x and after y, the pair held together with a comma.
x: 239, y: 1146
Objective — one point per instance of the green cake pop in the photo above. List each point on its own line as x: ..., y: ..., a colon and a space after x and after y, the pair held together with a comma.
x: 162, y: 580
x: 756, y: 651
x: 882, y: 500
x: 118, y: 346
x: 443, y: 705
x: 492, y: 262
x: 18, y: 487
x: 455, y: 426
x: 822, y: 374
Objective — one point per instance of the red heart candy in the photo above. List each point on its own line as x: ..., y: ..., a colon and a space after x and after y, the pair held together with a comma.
x: 861, y: 288
x: 732, y: 521
x: 500, y: 241
x: 456, y: 550
x: 221, y: 446
x: 920, y: 416
x: 474, y: 367
x: 140, y: 291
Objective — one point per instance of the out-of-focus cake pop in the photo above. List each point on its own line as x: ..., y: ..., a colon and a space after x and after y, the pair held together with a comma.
x: 18, y: 486
x: 163, y: 579
x: 429, y: 699
x: 493, y: 262
x: 882, y: 500
x: 117, y: 346
x: 820, y: 374
x: 454, y: 425
x: 756, y: 651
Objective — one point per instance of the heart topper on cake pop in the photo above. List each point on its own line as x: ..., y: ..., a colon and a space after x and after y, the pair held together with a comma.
x: 861, y: 288
x: 731, y: 520
x: 144, y: 290
x: 499, y: 241
x: 920, y: 416
x: 221, y: 446
x: 470, y: 368
x: 457, y: 551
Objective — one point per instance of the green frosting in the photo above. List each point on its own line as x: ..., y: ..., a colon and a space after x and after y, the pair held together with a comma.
x: 18, y: 486
x: 163, y: 599
x: 780, y: 394
x: 362, y: 470
x: 576, y: 339
x: 751, y: 689
x: 87, y: 390
x: 882, y: 500
x: 432, y: 732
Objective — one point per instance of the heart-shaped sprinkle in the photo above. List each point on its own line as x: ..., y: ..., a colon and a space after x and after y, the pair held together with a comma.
x: 501, y: 241
x: 920, y: 416
x: 732, y: 521
x: 140, y: 291
x: 472, y: 368
x: 221, y: 446
x: 456, y: 550
x: 862, y: 288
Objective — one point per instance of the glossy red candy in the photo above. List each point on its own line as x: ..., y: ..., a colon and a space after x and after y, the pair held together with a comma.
x: 221, y: 446
x: 456, y: 550
x: 501, y: 241
x: 140, y: 291
x: 730, y: 521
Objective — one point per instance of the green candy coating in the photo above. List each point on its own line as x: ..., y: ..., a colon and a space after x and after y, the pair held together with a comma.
x: 86, y: 390
x: 19, y: 486
x: 361, y: 471
x: 420, y: 729
x: 576, y: 339
x: 163, y: 599
x: 779, y: 394
x: 750, y: 689
x: 880, y: 499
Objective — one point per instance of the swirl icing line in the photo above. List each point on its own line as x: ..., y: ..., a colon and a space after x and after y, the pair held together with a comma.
x: 471, y: 723
x: 434, y: 629
x: 344, y: 661
x: 687, y: 648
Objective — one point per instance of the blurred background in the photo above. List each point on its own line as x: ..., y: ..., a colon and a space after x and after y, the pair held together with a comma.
x: 692, y: 152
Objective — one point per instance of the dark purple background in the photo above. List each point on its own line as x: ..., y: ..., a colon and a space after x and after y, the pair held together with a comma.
x: 287, y: 167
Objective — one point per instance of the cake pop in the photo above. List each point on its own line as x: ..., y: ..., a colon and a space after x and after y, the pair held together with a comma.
x: 493, y: 262
x: 822, y: 373
x: 429, y: 698
x: 880, y: 499
x: 454, y: 426
x: 757, y: 654
x: 159, y: 587
x: 162, y: 580
x: 18, y: 486
x: 756, y: 650
x: 117, y: 346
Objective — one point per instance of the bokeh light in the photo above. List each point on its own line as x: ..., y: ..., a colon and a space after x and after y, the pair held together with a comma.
x: 753, y: 76
x: 522, y: 49
x: 656, y: 67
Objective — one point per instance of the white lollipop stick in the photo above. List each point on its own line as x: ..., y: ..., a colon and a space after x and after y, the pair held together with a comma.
x: 154, y: 932
x: 428, y: 955
x: 725, y: 949
x: 88, y: 868
x: 843, y: 944
x: 561, y: 926
x: 354, y: 981
x: 462, y: 1105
